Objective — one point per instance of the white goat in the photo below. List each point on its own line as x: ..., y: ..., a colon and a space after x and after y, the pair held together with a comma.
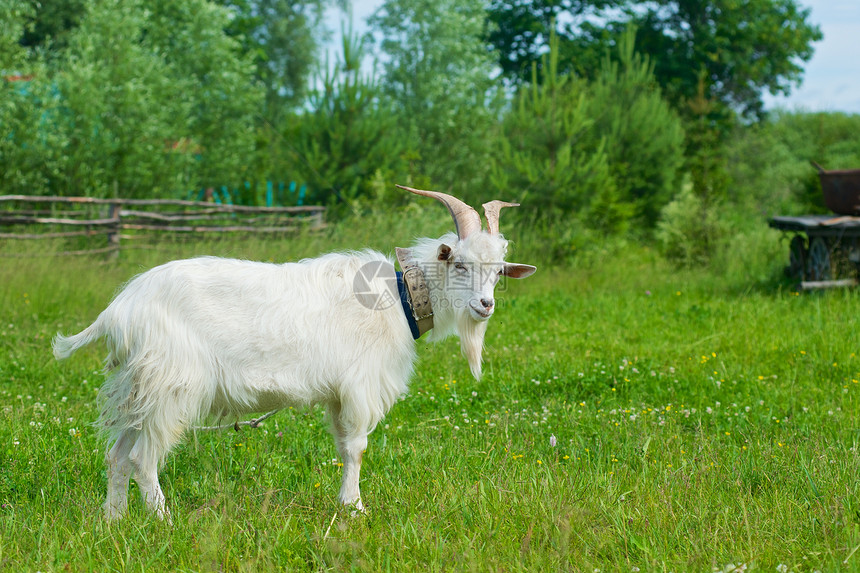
x: 219, y: 337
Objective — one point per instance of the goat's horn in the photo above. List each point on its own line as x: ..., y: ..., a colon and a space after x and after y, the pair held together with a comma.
x: 466, y: 219
x: 491, y: 212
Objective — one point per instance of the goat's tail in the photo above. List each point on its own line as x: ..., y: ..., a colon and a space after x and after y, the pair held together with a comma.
x: 65, y: 346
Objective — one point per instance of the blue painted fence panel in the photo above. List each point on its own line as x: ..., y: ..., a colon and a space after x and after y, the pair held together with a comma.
x: 285, y: 195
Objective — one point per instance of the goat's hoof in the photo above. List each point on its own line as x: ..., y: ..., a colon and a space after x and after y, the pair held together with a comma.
x: 357, y: 509
x: 113, y: 513
x: 164, y: 515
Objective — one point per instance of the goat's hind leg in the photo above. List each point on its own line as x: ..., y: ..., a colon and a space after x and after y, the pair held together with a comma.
x: 145, y: 457
x: 119, y: 468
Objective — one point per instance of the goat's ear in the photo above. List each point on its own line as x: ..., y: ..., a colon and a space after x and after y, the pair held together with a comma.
x: 518, y: 271
x: 444, y: 252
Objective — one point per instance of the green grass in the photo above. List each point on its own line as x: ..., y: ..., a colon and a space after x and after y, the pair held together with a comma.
x: 701, y: 419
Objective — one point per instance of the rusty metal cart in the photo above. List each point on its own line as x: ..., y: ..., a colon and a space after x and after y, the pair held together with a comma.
x: 825, y: 249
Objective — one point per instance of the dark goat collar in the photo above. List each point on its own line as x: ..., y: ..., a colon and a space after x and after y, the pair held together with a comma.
x: 414, y: 294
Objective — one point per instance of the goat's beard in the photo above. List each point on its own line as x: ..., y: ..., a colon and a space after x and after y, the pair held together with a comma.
x: 447, y: 321
x: 472, y: 341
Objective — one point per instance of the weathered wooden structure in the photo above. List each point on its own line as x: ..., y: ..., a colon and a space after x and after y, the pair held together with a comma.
x: 825, y: 249
x: 24, y: 218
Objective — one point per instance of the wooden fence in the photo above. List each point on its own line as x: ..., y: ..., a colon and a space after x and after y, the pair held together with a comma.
x: 85, y: 219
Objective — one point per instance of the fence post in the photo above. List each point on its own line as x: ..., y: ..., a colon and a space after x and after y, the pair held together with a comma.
x: 114, y: 237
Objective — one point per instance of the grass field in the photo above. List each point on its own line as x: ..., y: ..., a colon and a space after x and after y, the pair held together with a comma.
x: 631, y: 418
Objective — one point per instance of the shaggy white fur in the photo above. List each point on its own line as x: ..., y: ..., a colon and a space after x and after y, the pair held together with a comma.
x: 217, y: 337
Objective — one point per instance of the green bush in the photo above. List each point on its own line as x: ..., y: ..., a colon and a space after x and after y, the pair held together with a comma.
x: 689, y: 230
x: 31, y: 151
x: 643, y: 134
x: 549, y: 154
x: 770, y: 164
x: 605, y: 153
x: 440, y: 75
x: 144, y: 99
x: 348, y: 137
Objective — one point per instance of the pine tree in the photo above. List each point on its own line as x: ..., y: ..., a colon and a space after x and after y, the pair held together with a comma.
x: 644, y: 137
x: 349, y: 135
x: 550, y: 155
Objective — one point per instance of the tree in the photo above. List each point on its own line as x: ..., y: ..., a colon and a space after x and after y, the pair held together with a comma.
x: 144, y: 98
x: 349, y: 135
x: 737, y: 48
x: 283, y: 38
x: 440, y: 75
x: 123, y: 109
x: 644, y: 135
x: 217, y: 81
x: 519, y: 32
x: 551, y: 157
x: 770, y: 163
x: 156, y: 100
x: 51, y: 23
x: 31, y: 149
x: 14, y: 16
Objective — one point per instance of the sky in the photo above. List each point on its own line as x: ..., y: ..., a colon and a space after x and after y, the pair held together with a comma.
x: 831, y: 81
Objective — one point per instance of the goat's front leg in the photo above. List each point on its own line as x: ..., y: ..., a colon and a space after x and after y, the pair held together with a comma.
x: 351, y: 443
x: 351, y: 452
